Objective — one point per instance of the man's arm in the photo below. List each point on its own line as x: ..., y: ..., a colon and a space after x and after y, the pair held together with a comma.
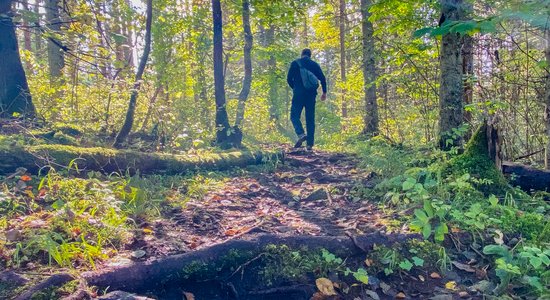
x: 290, y: 76
x: 321, y: 77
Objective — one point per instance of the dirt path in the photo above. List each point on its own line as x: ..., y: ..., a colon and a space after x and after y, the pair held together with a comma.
x: 310, y: 194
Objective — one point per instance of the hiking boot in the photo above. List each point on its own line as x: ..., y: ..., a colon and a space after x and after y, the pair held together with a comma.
x: 301, y: 139
x: 309, y: 148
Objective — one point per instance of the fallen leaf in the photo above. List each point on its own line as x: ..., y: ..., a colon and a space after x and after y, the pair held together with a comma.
x: 464, y: 267
x: 188, y: 296
x: 368, y: 262
x: 463, y: 294
x: 499, y: 239
x: 148, y: 230
x: 325, y: 286
x: 13, y: 235
x: 372, y: 294
x: 435, y: 275
x: 231, y: 232
x: 421, y: 278
x: 451, y: 285
x: 25, y: 178
x: 400, y: 295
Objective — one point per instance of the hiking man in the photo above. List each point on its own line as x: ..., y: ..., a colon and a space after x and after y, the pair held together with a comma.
x: 303, y: 77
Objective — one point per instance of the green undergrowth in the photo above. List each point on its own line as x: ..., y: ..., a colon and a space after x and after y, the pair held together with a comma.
x: 445, y: 194
x: 58, y: 220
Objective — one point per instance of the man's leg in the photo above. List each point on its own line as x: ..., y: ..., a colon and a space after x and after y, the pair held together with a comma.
x: 295, y: 114
x: 310, y: 121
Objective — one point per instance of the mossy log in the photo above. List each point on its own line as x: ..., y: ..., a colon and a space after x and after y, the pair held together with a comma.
x: 33, y: 158
x: 527, y: 178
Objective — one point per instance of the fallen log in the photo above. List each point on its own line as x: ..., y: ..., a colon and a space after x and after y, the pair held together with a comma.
x: 33, y: 158
x: 526, y: 177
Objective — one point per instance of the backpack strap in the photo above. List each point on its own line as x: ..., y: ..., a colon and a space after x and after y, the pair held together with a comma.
x: 299, y: 64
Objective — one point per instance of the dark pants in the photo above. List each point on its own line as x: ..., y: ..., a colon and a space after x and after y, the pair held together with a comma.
x: 299, y: 102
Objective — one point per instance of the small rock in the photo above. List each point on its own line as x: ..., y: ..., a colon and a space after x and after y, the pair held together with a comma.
x: 120, y: 295
x: 372, y: 294
x: 13, y: 235
x: 463, y: 294
x: 138, y: 253
x: 435, y: 275
x: 319, y: 194
x: 12, y: 278
x: 483, y: 286
x: 400, y: 295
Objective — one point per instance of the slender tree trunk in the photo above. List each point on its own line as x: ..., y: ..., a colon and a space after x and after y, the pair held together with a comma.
x: 369, y: 72
x: 27, y: 31
x: 468, y: 73
x: 15, y: 97
x: 56, y: 59
x: 342, y: 25
x: 129, y: 121
x: 547, y: 101
x: 223, y: 131
x: 38, y: 32
x: 247, y: 52
x: 451, y: 91
x: 272, y: 76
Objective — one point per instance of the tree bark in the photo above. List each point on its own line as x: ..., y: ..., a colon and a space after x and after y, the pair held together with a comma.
x: 547, y: 101
x: 27, y: 32
x: 129, y: 121
x: 225, y: 136
x: 369, y: 72
x: 247, y: 52
x: 272, y: 76
x: 451, y: 91
x: 56, y: 58
x: 15, y: 97
x: 342, y: 27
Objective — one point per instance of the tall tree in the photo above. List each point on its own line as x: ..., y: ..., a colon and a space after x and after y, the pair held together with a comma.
x: 225, y: 136
x: 129, y: 121
x: 15, y: 97
x: 369, y: 72
x: 56, y: 58
x: 547, y: 99
x: 451, y: 91
x: 342, y: 27
x: 247, y: 52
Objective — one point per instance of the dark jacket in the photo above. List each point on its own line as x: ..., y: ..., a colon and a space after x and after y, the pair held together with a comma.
x: 294, y: 78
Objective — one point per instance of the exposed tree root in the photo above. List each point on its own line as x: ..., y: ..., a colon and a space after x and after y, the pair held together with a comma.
x: 52, y: 281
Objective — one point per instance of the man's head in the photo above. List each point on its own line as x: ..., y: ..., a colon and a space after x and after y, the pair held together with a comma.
x: 306, y: 52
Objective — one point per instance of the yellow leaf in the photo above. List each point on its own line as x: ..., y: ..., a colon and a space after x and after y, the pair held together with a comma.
x: 147, y: 230
x: 325, y: 286
x: 451, y: 285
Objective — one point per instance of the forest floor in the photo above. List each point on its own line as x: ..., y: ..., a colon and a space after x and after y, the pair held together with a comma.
x: 320, y: 194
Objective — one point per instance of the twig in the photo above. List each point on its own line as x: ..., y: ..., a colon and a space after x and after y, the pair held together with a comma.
x: 241, y: 267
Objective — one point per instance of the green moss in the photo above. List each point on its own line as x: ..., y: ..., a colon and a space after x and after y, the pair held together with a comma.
x: 202, y: 270
x: 476, y: 161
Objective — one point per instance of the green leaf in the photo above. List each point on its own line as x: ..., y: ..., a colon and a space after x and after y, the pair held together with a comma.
x: 428, y: 208
x: 406, y: 265
x: 493, y: 200
x: 362, y: 276
x: 421, y: 215
x: 419, y: 262
x: 499, y: 250
x: 535, y: 262
x: 422, y: 32
x: 409, y: 184
x: 440, y: 231
x: 427, y: 231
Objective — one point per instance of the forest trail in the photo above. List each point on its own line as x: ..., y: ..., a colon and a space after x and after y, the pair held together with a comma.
x: 308, y: 194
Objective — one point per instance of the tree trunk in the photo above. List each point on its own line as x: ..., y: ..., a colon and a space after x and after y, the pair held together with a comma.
x: 247, y: 80
x: 451, y: 90
x: 27, y: 32
x: 129, y: 121
x: 56, y: 59
x: 547, y: 101
x: 15, y: 97
x: 468, y: 70
x: 369, y: 72
x: 272, y: 76
x: 38, y: 32
x: 342, y: 25
x: 225, y: 136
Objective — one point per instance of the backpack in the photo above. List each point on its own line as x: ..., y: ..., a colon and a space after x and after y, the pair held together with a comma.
x: 309, y: 80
